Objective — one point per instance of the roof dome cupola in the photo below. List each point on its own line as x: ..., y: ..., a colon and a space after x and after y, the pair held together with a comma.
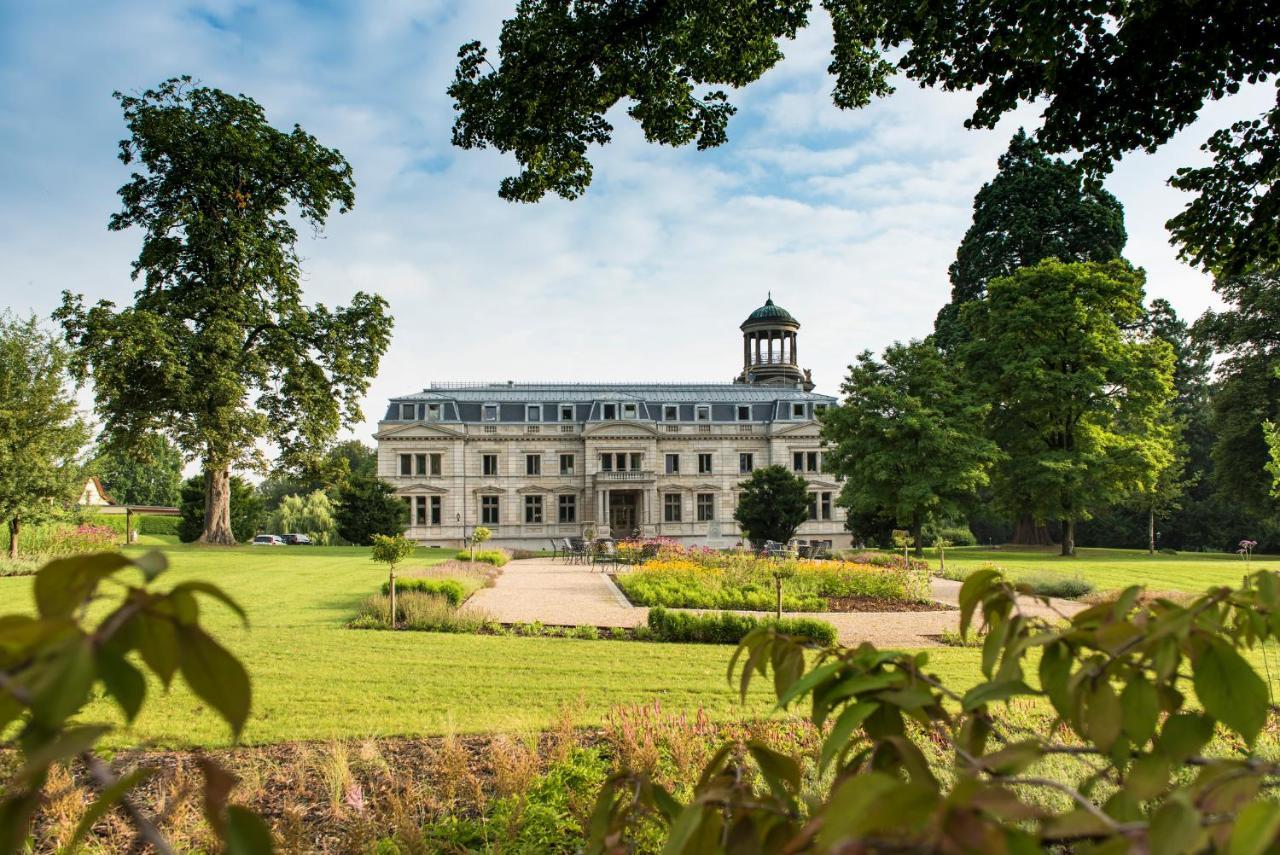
x: 769, y: 337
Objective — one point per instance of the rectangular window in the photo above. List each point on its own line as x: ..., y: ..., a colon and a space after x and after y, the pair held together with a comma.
x: 533, y: 464
x: 489, y: 464
x: 609, y: 411
x: 434, y: 462
x: 566, y: 412
x: 670, y: 413
x: 433, y: 412
x: 797, y: 461
x: 489, y: 510
x: 704, y: 463
x: 435, y: 510
x: 671, y: 507
x: 420, y: 515
x: 406, y: 464
x: 630, y: 411
x: 533, y: 510
x: 606, y: 463
x: 744, y: 413
x: 813, y: 506
x: 706, y: 507
x: 826, y: 506
x: 635, y: 461
x: 566, y: 464
x: 819, y: 409
x: 673, y: 464
x: 490, y: 412
x: 533, y: 413
x: 408, y: 412
x: 746, y: 462
x: 797, y: 411
x: 568, y: 509
x: 702, y: 413
x: 811, y: 461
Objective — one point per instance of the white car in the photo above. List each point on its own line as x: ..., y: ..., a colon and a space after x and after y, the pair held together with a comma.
x: 267, y: 540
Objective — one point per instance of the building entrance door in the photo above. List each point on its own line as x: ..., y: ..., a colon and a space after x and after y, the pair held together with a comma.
x: 624, y: 515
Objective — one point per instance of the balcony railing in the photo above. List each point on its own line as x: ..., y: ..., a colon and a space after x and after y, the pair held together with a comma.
x: 628, y: 475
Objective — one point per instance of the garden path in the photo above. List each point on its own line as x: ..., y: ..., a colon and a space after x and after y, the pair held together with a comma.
x: 558, y: 594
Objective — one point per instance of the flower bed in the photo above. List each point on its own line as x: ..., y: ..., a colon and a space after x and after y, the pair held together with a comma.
x: 702, y: 579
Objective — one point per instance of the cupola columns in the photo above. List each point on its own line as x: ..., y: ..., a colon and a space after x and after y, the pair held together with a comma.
x: 769, y: 352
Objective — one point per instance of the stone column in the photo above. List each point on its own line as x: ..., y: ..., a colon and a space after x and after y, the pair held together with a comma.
x: 746, y: 353
x: 794, y: 359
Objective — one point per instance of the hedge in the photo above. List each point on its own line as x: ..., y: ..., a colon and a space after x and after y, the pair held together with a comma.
x: 451, y: 590
x: 152, y: 524
x: 728, y: 628
x: 496, y: 557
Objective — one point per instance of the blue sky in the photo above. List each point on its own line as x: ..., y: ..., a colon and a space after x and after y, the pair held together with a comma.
x: 850, y: 218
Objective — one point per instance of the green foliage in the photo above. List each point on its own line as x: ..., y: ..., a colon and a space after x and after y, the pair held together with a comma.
x: 1035, y: 208
x: 311, y: 515
x: 1081, y: 400
x: 1273, y: 465
x: 247, y: 513
x: 480, y: 534
x: 496, y: 557
x: 1247, y: 336
x: 772, y: 504
x: 51, y: 664
x: 420, y: 611
x: 550, y: 815
x: 1107, y: 78
x: 41, y: 435
x: 1118, y: 677
x: 367, y: 506
x: 218, y: 349
x: 148, y: 472
x: 153, y: 524
x: 1057, y: 585
x: 729, y: 628
x: 329, y: 472
x: 908, y: 438
x: 450, y: 590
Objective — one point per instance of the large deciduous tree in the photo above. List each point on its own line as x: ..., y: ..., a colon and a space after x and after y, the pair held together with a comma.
x: 908, y: 438
x: 219, y: 350
x: 41, y: 433
x: 1080, y: 393
x: 773, y: 503
x: 248, y: 513
x: 366, y: 506
x: 1113, y: 76
x: 1247, y: 335
x: 148, y: 472
x: 1036, y: 207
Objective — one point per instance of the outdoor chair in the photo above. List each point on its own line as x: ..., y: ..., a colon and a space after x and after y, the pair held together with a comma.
x: 605, y: 552
x: 649, y: 550
x: 577, y: 550
x: 555, y: 549
x: 773, y: 549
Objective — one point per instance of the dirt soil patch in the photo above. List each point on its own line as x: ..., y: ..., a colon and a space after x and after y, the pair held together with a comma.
x: 874, y: 604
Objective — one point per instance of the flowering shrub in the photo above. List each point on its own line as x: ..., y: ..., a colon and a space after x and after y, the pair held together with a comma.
x: 85, y: 537
x: 705, y: 579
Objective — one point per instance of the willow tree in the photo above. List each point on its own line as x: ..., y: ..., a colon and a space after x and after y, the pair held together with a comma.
x: 219, y: 351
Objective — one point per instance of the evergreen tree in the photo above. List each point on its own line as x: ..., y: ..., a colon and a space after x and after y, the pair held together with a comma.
x: 907, y: 438
x: 773, y: 503
x: 247, y: 512
x: 1081, y: 400
x: 1035, y: 208
x: 366, y: 506
x: 41, y: 434
x: 146, y: 473
x: 218, y: 350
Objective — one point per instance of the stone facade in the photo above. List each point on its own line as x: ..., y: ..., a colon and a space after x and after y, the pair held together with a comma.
x: 538, y: 461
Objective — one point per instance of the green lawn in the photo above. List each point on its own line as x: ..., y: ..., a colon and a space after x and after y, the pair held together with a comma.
x: 1116, y: 568
x: 315, y: 679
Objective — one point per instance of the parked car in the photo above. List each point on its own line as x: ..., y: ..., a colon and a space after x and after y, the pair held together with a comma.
x: 267, y: 540
x: 296, y: 539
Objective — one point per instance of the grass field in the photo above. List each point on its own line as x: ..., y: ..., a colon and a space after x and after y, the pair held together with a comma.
x: 1115, y: 568
x: 315, y: 679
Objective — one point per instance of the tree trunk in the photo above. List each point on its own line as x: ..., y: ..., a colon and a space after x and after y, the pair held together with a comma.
x: 1028, y: 532
x: 393, y: 597
x: 1068, y: 537
x: 1151, y: 531
x: 14, y: 527
x: 778, y: 581
x: 217, y: 507
x: 919, y: 538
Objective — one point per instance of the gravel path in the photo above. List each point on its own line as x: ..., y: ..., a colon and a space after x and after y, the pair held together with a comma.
x: 558, y: 594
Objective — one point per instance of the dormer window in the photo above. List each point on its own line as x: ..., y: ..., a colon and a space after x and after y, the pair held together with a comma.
x: 744, y: 412
x: 702, y: 413
x: 533, y: 413
x: 819, y: 409
x: 566, y: 412
x: 797, y: 411
x: 490, y: 412
x: 609, y: 411
x: 433, y: 412
x: 630, y: 411
x: 408, y: 412
x: 670, y: 413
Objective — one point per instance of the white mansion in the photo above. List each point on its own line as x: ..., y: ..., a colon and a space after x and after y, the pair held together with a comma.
x: 535, y: 461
